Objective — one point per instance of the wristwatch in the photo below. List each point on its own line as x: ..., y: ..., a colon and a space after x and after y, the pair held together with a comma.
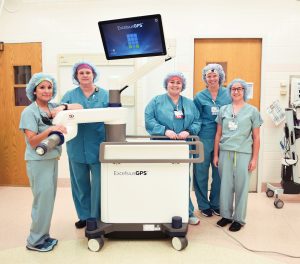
x: 66, y: 106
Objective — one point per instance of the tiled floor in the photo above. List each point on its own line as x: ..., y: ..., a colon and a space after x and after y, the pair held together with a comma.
x: 267, y: 229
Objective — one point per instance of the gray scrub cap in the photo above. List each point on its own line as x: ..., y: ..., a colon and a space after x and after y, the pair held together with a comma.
x: 214, y: 67
x: 35, y: 80
x: 175, y: 74
x: 81, y: 65
x: 243, y: 84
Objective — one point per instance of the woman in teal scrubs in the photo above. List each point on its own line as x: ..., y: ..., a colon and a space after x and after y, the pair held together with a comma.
x: 83, y: 150
x: 236, y: 151
x: 41, y: 170
x: 174, y: 116
x: 208, y: 102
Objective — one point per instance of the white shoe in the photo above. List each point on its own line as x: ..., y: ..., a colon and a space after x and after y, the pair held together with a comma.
x: 193, y: 220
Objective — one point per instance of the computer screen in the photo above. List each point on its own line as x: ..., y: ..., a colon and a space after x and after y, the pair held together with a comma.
x: 133, y: 37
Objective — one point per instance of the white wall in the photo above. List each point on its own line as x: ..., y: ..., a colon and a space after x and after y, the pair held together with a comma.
x: 70, y: 26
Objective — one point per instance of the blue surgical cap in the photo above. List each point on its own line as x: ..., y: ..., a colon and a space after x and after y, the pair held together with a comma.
x: 35, y: 80
x: 74, y: 71
x: 175, y: 74
x: 243, y: 84
x: 214, y: 67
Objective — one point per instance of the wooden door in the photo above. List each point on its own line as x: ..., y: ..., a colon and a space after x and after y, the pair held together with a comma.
x: 18, y: 61
x: 240, y: 58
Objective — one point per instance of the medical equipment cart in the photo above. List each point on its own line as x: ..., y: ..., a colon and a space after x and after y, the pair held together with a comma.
x: 144, y: 190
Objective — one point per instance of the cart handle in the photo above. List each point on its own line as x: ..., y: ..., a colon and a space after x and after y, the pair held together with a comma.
x: 197, y: 151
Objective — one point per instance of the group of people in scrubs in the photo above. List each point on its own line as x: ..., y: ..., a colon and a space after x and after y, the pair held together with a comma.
x: 219, y: 116
x: 227, y: 126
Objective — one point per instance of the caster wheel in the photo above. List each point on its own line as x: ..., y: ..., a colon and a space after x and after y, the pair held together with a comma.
x: 95, y: 244
x: 179, y: 243
x: 270, y: 193
x: 278, y: 204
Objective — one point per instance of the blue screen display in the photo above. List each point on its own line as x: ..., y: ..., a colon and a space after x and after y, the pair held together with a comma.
x: 133, y: 37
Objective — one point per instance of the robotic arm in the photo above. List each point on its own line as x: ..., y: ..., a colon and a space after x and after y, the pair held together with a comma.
x: 114, y: 119
x: 114, y: 116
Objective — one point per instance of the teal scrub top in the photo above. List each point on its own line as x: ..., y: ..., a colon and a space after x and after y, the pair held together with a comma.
x: 84, y: 148
x: 239, y: 139
x: 204, y: 103
x: 31, y: 120
x: 159, y: 116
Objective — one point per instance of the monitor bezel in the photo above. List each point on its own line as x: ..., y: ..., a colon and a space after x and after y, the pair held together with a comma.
x: 158, y: 16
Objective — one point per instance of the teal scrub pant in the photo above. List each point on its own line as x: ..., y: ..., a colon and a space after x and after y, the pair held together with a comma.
x: 86, y: 187
x: 191, y: 206
x: 201, y: 174
x: 235, y: 178
x: 42, y: 176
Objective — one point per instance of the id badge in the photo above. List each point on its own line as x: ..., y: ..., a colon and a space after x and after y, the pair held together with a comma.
x: 214, y: 110
x: 232, y: 125
x: 178, y: 114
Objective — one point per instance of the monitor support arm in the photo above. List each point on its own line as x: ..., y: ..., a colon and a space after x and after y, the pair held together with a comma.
x: 146, y: 68
x: 115, y: 95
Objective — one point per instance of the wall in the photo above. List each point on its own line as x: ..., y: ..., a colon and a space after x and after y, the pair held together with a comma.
x: 70, y: 26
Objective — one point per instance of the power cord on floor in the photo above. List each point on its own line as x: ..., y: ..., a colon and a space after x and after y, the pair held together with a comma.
x: 249, y: 249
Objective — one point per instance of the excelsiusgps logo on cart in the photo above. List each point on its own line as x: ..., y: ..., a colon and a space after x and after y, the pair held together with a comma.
x: 129, y: 173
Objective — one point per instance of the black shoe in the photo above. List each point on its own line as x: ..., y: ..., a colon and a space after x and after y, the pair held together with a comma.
x: 207, y: 212
x: 235, y: 226
x: 216, y: 211
x: 80, y: 224
x: 223, y: 222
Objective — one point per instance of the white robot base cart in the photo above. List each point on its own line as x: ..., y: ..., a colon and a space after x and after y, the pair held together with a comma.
x: 144, y: 191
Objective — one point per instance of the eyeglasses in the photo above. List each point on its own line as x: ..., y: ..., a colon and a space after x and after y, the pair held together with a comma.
x: 46, y: 120
x: 238, y: 89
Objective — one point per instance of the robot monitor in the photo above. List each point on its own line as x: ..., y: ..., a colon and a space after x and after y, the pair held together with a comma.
x: 133, y: 37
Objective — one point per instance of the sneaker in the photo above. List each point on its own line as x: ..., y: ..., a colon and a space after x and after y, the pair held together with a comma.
x: 45, y: 247
x: 235, y: 226
x: 223, y: 222
x: 52, y: 241
x: 216, y: 211
x: 80, y: 224
x: 207, y: 212
x: 193, y: 220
